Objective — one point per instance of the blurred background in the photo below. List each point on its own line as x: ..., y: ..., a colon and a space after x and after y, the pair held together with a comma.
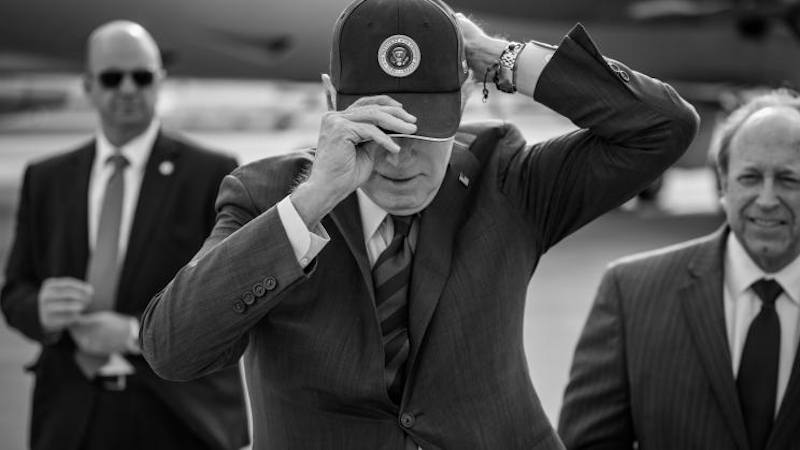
x: 244, y: 79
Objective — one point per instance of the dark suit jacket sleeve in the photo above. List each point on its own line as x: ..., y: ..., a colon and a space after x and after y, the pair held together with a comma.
x: 631, y: 131
x: 596, y: 412
x: 21, y: 289
x: 199, y: 322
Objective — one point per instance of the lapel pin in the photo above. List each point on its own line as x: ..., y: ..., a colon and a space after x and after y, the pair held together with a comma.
x: 463, y: 179
x: 166, y: 168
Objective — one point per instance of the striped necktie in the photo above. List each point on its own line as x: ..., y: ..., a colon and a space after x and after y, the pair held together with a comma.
x: 758, y: 371
x: 391, y: 275
x: 103, y: 272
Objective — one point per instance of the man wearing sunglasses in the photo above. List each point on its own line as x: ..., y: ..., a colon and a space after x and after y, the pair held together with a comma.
x: 100, y: 230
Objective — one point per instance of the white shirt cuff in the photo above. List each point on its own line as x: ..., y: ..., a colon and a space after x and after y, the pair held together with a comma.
x: 530, y: 64
x: 305, y: 243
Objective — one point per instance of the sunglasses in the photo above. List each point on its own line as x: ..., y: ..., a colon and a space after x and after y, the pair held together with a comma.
x: 111, y: 79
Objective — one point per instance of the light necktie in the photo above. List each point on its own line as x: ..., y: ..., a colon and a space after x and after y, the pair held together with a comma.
x: 758, y: 371
x: 391, y: 275
x: 103, y: 272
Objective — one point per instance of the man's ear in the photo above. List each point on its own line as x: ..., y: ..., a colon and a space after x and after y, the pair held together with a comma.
x: 330, y: 92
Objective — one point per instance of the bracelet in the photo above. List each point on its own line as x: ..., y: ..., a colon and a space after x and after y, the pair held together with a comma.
x: 505, y: 77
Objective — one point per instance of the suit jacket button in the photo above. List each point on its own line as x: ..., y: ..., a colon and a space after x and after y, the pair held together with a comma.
x: 248, y: 298
x: 259, y: 290
x: 270, y: 283
x: 239, y: 306
x: 407, y: 420
x: 624, y: 75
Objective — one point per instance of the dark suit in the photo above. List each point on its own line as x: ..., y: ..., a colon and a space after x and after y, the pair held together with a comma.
x: 311, y: 339
x: 174, y: 215
x: 653, y: 363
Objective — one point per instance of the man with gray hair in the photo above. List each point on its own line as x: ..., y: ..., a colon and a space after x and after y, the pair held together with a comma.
x: 100, y: 230
x: 695, y: 346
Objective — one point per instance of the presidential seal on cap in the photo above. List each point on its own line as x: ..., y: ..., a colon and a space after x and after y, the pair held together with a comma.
x: 399, y: 55
x: 411, y: 50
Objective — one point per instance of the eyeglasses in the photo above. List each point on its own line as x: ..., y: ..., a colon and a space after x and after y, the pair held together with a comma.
x: 111, y: 79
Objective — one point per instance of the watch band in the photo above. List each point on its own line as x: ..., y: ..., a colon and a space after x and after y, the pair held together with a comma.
x: 504, y: 76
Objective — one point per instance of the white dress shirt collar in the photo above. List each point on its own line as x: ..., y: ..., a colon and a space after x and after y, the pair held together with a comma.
x: 136, y: 151
x: 743, y: 272
x: 372, y: 215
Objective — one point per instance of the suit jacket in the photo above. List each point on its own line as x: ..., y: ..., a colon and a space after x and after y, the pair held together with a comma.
x: 653, y: 364
x: 311, y: 339
x: 174, y: 215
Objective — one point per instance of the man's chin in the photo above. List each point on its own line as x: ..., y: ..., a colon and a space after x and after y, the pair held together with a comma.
x: 402, y: 209
x: 401, y: 206
x: 400, y: 200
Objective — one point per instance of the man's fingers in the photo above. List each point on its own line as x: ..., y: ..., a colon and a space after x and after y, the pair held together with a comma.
x: 366, y: 106
x: 68, y: 283
x: 394, y: 119
x: 367, y: 132
x: 61, y: 317
x: 65, y: 305
x: 67, y: 291
x: 384, y: 100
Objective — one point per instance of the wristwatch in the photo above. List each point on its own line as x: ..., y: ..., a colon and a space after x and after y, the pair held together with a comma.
x: 504, y: 77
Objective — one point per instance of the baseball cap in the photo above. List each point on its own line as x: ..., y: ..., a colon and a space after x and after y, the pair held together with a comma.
x: 411, y: 50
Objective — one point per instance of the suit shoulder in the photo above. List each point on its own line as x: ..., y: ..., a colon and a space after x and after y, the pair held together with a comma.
x: 651, y: 260
x: 293, y: 163
x: 487, y: 132
x: 277, y: 175
x: 198, y: 151
x: 57, y: 161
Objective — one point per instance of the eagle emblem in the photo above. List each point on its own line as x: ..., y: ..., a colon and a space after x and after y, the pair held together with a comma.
x: 399, y: 56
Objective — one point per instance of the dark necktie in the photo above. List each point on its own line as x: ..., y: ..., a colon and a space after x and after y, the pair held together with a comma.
x: 390, y: 275
x: 758, y: 371
x: 103, y: 271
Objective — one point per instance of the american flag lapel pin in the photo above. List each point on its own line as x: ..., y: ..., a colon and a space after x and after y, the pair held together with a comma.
x: 463, y: 179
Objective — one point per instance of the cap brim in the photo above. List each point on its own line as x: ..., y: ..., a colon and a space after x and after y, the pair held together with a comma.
x: 438, y: 114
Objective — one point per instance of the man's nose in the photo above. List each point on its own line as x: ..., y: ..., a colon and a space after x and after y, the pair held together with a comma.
x: 767, y: 197
x: 396, y: 159
x: 127, y: 85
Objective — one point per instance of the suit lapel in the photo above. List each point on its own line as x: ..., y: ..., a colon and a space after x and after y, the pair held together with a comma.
x: 347, y: 218
x: 76, y: 183
x: 702, y: 301
x: 154, y: 191
x: 439, y: 224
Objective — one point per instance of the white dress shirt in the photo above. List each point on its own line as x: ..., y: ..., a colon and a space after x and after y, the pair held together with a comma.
x: 137, y: 152
x: 378, y: 232
x: 742, y: 305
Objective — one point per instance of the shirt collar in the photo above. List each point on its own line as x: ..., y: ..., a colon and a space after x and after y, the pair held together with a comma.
x: 371, y: 214
x: 742, y: 271
x: 136, y: 151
